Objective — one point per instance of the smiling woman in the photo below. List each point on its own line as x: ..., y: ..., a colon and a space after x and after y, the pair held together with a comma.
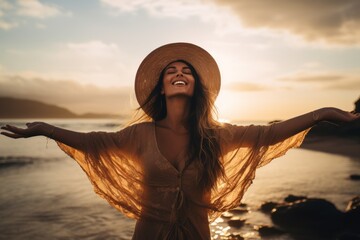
x: 177, y: 168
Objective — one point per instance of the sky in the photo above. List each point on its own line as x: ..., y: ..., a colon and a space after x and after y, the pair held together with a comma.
x: 278, y: 59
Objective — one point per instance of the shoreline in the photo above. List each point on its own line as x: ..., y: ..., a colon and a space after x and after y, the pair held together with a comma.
x: 349, y: 147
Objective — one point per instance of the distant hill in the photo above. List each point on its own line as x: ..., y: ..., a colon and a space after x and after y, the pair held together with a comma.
x: 24, y: 108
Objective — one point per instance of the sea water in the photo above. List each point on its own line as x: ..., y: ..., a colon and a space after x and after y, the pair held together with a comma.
x: 45, y: 195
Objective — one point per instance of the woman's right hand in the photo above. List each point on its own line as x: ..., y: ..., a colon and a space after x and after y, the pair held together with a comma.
x: 70, y: 138
x: 33, y: 129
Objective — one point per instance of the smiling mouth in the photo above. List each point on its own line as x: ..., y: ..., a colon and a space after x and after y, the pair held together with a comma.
x: 179, y: 83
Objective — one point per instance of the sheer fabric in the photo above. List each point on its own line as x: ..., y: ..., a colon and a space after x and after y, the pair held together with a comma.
x: 128, y: 170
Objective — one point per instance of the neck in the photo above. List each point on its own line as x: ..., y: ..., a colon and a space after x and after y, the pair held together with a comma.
x: 178, y: 110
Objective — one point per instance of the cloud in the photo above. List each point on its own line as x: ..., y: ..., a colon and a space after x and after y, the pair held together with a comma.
x: 94, y: 49
x: 313, y: 77
x: 10, y: 12
x: 329, y: 21
x: 5, y: 5
x: 180, y: 8
x: 353, y: 84
x: 206, y: 11
x: 36, y: 9
x: 7, y: 25
x: 91, y: 62
x: 245, y: 87
x: 40, y: 26
x: 74, y: 96
x: 324, y: 80
x: 95, y: 60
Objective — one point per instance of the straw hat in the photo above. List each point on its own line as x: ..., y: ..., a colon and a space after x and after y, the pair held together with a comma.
x: 150, y: 68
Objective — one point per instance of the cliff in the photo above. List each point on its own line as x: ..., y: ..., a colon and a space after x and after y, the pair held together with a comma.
x: 24, y: 108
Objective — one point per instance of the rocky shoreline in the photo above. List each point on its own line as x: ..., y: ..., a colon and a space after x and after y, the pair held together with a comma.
x: 300, y: 217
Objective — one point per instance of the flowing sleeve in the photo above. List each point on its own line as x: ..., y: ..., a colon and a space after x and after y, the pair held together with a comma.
x: 109, y: 160
x: 241, y: 159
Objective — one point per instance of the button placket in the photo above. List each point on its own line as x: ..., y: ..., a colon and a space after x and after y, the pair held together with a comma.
x: 180, y: 181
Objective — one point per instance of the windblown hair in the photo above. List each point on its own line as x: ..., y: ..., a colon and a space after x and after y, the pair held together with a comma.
x: 204, y: 143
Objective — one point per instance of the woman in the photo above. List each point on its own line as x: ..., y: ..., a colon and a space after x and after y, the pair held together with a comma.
x: 178, y: 168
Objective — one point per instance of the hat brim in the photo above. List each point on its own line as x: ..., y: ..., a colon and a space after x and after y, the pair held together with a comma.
x: 150, y: 68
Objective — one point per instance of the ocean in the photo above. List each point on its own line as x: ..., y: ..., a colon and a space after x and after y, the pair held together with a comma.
x: 44, y: 194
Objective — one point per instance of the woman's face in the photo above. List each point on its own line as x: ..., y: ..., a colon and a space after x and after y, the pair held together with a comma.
x: 178, y: 80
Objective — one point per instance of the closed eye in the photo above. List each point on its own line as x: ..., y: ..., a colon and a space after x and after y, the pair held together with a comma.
x: 170, y: 70
x: 186, y: 70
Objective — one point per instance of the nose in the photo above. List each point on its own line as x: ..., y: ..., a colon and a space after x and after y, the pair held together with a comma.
x: 179, y: 74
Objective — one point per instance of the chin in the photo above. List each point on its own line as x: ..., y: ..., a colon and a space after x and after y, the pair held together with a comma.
x: 181, y: 94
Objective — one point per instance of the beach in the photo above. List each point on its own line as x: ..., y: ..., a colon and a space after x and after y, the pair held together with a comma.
x: 46, y: 195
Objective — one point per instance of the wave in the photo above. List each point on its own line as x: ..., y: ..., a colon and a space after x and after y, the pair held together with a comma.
x: 21, y: 161
x: 113, y: 125
x: 9, y: 161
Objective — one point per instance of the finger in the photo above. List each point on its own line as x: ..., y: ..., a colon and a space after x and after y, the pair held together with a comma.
x: 12, y: 135
x: 14, y: 129
x: 8, y: 127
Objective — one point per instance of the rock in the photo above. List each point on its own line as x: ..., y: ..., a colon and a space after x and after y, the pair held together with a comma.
x: 243, y: 205
x: 348, y: 236
x: 357, y: 106
x: 310, y: 216
x: 227, y: 215
x: 293, y: 198
x: 267, y: 231
x: 353, y: 204
x: 236, y: 222
x: 267, y: 207
x: 352, y: 216
x: 354, y: 177
x: 238, y: 210
x: 234, y: 237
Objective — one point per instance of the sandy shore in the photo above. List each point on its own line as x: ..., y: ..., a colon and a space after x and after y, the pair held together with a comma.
x: 349, y: 147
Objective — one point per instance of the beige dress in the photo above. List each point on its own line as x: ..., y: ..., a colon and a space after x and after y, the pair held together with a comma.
x: 128, y: 170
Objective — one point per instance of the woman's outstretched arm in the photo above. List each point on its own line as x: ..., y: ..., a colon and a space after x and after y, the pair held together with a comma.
x: 70, y: 138
x: 290, y: 127
x: 249, y: 136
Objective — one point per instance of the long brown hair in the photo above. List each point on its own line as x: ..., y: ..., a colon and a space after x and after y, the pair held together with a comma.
x: 204, y: 143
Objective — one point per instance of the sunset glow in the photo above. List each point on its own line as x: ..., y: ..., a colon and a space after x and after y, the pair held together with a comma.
x: 275, y: 61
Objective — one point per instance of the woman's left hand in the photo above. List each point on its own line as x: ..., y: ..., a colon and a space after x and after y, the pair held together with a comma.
x: 337, y: 115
